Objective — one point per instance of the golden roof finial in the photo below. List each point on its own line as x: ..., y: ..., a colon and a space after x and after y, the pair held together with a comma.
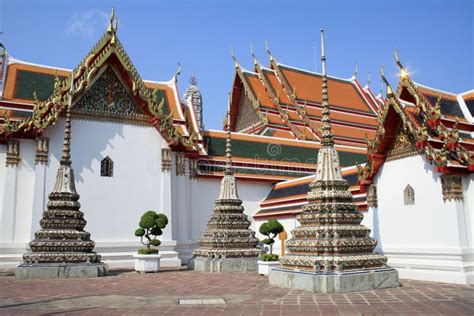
x: 233, y: 57
x: 403, y: 71
x: 267, y: 48
x: 178, y: 72
x: 110, y: 29
x: 255, y: 61
x: 384, y: 80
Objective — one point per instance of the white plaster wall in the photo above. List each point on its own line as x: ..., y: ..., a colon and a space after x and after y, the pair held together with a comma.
x: 203, y: 192
x: 3, y: 169
x: 24, y: 192
x: 431, y: 240
x: 112, y: 206
x: 430, y: 221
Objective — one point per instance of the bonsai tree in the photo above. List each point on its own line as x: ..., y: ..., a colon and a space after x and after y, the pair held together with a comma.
x: 151, y: 226
x: 271, y: 229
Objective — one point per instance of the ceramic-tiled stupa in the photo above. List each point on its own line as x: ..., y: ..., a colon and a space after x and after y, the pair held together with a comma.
x: 62, y: 248
x: 331, y: 251
x: 228, y: 245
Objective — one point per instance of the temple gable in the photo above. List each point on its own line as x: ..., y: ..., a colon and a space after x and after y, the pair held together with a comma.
x: 247, y: 115
x: 109, y: 98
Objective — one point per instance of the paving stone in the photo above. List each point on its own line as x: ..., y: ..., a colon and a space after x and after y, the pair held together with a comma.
x: 127, y: 292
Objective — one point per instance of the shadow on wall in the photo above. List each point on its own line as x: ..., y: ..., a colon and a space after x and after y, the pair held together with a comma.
x: 87, y: 143
x: 376, y: 229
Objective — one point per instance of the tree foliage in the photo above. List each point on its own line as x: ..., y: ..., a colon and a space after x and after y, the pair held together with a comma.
x: 151, y: 226
x: 271, y: 229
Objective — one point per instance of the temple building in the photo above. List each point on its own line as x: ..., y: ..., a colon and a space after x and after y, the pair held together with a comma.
x: 421, y: 168
x: 142, y: 144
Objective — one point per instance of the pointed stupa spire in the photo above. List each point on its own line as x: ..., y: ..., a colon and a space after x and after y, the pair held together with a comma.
x: 326, y: 128
x: 193, y: 80
x: 66, y: 155
x: 228, y: 145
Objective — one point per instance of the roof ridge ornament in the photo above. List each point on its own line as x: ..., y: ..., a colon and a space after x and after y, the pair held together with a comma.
x: 255, y: 61
x: 177, y: 73
x: 356, y: 71
x: 267, y: 48
x: 368, y: 79
x: 111, y: 29
x: 384, y: 80
x: 237, y: 65
x: 403, y: 71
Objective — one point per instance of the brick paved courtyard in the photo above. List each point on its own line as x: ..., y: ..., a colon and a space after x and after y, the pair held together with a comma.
x: 128, y: 292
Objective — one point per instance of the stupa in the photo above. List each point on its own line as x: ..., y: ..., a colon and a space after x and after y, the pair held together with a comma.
x: 61, y: 248
x: 331, y: 252
x: 228, y: 245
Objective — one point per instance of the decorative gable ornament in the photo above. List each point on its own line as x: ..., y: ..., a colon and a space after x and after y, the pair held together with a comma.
x: 452, y: 187
x: 403, y: 147
x: 409, y: 195
x: 109, y: 99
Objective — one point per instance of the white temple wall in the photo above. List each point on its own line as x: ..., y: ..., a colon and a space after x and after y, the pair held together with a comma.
x: 430, y: 240
x: 204, y: 192
x: 112, y: 206
x: 3, y: 171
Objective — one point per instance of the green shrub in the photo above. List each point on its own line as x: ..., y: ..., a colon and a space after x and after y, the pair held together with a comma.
x: 268, y: 257
x: 151, y: 226
x: 146, y: 251
x: 271, y: 229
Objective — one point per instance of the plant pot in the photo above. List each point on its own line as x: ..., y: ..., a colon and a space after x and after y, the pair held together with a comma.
x: 264, y: 267
x: 147, y: 263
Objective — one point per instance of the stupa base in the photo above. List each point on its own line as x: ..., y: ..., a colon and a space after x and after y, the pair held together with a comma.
x: 349, y: 281
x: 225, y: 265
x: 60, y: 270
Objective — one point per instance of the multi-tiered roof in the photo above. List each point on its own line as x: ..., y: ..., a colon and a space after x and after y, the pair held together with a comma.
x: 281, y: 101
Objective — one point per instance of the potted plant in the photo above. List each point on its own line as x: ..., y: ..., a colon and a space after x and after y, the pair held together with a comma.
x: 151, y: 226
x: 271, y: 229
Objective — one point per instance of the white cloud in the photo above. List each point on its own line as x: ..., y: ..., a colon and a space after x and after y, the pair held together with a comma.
x: 88, y: 23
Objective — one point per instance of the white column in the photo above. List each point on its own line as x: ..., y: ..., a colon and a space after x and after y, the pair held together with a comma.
x: 39, y: 197
x: 7, y: 224
x: 169, y: 255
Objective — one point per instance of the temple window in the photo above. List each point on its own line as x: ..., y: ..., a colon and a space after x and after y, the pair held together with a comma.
x: 409, y: 195
x: 107, y: 167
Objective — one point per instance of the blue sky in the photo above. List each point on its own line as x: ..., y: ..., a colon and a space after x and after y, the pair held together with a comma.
x: 435, y: 38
